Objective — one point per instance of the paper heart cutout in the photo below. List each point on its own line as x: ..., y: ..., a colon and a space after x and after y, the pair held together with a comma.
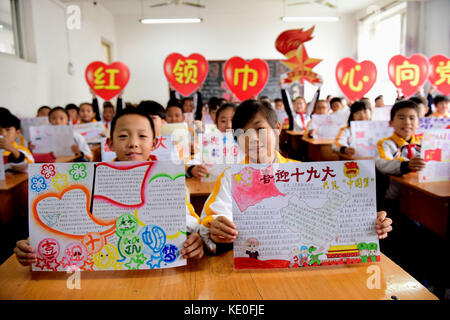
x: 439, y: 65
x: 408, y: 74
x: 245, y: 79
x: 107, y: 80
x: 185, y: 74
x: 355, y: 78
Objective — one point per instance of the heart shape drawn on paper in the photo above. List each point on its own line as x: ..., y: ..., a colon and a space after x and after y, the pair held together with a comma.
x: 439, y: 65
x: 355, y: 78
x: 185, y: 74
x: 107, y: 80
x: 408, y: 74
x: 245, y: 79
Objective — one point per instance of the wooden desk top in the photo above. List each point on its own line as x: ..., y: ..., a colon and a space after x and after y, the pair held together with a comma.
x: 198, y: 188
x: 344, y: 156
x: 12, y: 179
x: 439, y: 189
x: 65, y: 158
x: 295, y: 133
x: 318, y: 141
x: 213, y: 278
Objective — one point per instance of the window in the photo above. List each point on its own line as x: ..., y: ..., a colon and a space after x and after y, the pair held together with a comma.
x: 10, y: 37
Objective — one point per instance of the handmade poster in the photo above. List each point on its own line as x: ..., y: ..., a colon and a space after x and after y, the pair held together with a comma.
x: 189, y: 119
x: 436, y: 153
x: 382, y: 113
x: 427, y: 124
x: 92, y: 132
x: 327, y: 126
x: 81, y: 217
x: 366, y: 134
x: 2, y: 166
x: 26, y: 123
x: 304, y: 214
x: 56, y: 139
x: 181, y: 137
x: 107, y: 154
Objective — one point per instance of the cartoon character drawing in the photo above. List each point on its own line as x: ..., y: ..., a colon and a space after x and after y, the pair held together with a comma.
x: 294, y: 258
x: 251, y: 248
x: 304, y: 254
x: 75, y: 254
x: 372, y: 246
x: 363, y: 251
x: 314, y: 258
x: 107, y: 258
x: 48, y: 252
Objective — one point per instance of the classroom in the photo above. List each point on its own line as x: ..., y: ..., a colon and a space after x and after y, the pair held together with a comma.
x: 247, y: 150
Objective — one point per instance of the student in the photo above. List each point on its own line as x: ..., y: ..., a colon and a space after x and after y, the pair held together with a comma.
x: 265, y: 98
x: 43, y: 111
x: 86, y: 113
x: 379, y: 102
x: 256, y: 120
x: 59, y: 117
x: 441, y: 106
x: 421, y: 104
x: 108, y: 114
x: 359, y: 111
x: 187, y: 105
x: 336, y: 104
x: 279, y: 104
x: 321, y: 107
x: 213, y: 105
x: 301, y: 117
x: 16, y: 157
x: 132, y: 139
x: 400, y: 153
x: 72, y: 111
x: 174, y: 112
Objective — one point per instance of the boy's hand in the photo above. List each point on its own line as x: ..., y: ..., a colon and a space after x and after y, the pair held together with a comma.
x: 31, y: 146
x: 416, y: 164
x: 350, y: 151
x: 75, y: 149
x: 25, y: 253
x: 6, y: 145
x: 222, y: 230
x: 193, y: 247
x: 383, y: 225
x: 199, y: 171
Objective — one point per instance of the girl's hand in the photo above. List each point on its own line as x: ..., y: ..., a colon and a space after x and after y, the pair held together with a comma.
x: 199, y: 171
x: 383, y: 225
x: 193, y: 247
x: 416, y: 164
x: 222, y: 230
x: 25, y: 253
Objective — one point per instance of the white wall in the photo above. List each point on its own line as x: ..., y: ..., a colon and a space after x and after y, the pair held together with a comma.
x: 25, y: 85
x: 244, y: 28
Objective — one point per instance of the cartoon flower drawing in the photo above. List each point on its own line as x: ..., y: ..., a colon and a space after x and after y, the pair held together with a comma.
x: 48, y: 171
x: 60, y: 181
x: 38, y: 184
x: 78, y: 171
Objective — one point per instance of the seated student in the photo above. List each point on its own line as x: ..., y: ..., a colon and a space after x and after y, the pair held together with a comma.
x: 279, y: 104
x: 187, y: 105
x: 400, y: 153
x: 251, y: 117
x: 108, y: 114
x: 15, y: 157
x: 359, y: 111
x: 43, y: 111
x: 336, y: 104
x: 321, y: 107
x: 301, y: 117
x: 86, y: 113
x: 72, y: 111
x: 379, y: 101
x: 422, y: 104
x: 213, y: 105
x: 441, y: 106
x: 132, y: 139
x: 59, y: 117
x: 174, y: 112
x: 367, y: 100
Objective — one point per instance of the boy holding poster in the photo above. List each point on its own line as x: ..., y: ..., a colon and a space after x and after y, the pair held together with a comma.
x: 132, y: 139
x: 256, y: 128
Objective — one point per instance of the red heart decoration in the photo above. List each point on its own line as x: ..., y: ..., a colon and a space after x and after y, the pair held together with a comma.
x: 185, y: 74
x: 355, y: 78
x: 245, y: 79
x: 107, y: 80
x: 438, y: 73
x: 408, y: 74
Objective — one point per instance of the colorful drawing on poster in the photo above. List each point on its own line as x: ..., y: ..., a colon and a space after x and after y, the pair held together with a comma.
x: 435, y: 150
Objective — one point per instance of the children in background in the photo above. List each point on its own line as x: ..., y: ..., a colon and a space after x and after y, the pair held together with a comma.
x: 59, y: 117
x: 15, y: 157
x: 213, y: 105
x: 108, y: 114
x: 86, y: 113
x: 265, y: 98
x: 421, y: 104
x: 400, y: 153
x: 379, y: 101
x: 367, y: 100
x: 174, y: 112
x: 258, y: 121
x: 43, y: 111
x: 359, y: 111
x: 279, y: 104
x: 336, y: 104
x: 156, y: 112
x: 187, y: 105
x: 441, y: 106
x: 132, y: 139
x: 72, y: 111
x: 321, y: 107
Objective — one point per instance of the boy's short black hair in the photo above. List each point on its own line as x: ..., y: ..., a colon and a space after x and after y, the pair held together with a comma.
x: 404, y: 104
x: 419, y: 100
x: 152, y: 108
x: 131, y: 110
x: 335, y: 99
x: 379, y: 97
x: 186, y: 99
x: 214, y: 103
x: 108, y: 104
x: 58, y: 108
x: 8, y: 120
x: 89, y: 104
x: 224, y: 107
x: 278, y: 100
x: 173, y: 103
x: 358, y: 106
x: 439, y: 98
x: 249, y: 108
x: 71, y: 106
x: 43, y: 107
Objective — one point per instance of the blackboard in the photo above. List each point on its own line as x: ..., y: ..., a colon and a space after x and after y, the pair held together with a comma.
x: 214, y: 85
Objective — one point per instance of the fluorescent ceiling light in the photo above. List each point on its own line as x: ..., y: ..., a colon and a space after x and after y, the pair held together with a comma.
x: 175, y: 20
x: 310, y: 19
x: 1, y: 26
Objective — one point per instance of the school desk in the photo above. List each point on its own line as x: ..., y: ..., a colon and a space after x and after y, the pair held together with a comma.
x: 13, y: 196
x: 343, y: 156
x: 425, y: 202
x: 96, y: 150
x: 320, y: 149
x: 213, y: 278
x: 199, y: 192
